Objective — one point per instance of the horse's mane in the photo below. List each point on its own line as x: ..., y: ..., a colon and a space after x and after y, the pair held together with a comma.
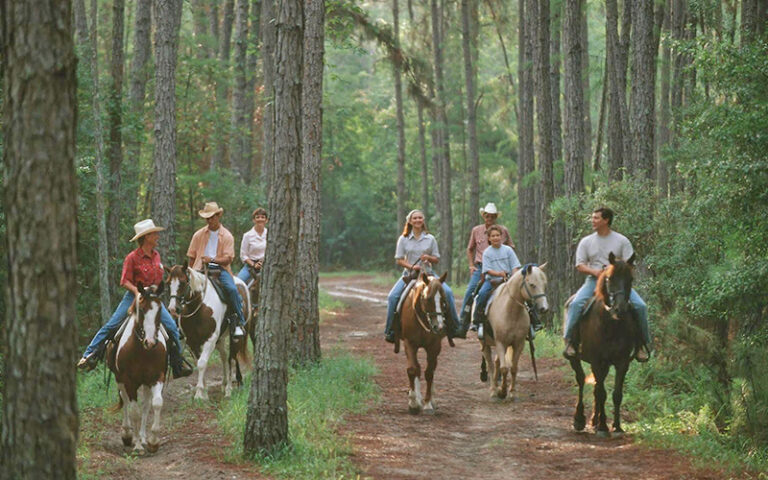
x: 600, y: 287
x: 196, y: 280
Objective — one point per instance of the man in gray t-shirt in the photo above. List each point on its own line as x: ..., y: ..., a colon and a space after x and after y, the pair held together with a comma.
x: 591, y: 258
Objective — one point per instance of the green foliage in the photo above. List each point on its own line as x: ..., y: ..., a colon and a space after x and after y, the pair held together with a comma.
x: 319, y: 397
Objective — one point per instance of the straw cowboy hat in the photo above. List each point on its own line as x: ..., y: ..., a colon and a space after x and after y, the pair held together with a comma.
x: 490, y: 208
x: 210, y: 209
x: 145, y: 227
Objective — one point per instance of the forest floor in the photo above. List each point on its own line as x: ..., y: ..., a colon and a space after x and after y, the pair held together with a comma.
x: 469, y: 436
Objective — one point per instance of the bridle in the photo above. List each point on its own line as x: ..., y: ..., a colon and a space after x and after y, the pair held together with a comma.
x: 138, y: 331
x: 184, y: 299
x: 428, y: 320
x: 614, y: 297
x: 531, y: 297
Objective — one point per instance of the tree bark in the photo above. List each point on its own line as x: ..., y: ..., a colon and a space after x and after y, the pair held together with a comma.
x: 81, y: 23
x: 642, y: 100
x: 39, y: 408
x: 250, y: 98
x: 470, y: 79
x: 574, y: 100
x: 677, y: 23
x: 168, y: 20
x: 267, y: 415
x: 585, y: 80
x: 309, y: 233
x: 749, y: 20
x: 200, y: 20
x: 664, y: 111
x: 526, y: 204
x: 240, y: 123
x: 139, y: 75
x: 222, y: 84
x: 400, y: 119
x: 268, y: 44
x: 424, y: 165
x: 115, y: 114
x: 617, y: 111
x: 444, y: 156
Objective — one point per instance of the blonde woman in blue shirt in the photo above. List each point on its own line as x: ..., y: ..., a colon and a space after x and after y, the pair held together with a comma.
x: 417, y: 251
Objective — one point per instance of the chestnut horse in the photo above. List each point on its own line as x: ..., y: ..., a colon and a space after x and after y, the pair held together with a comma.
x: 201, y: 313
x: 139, y: 363
x: 608, y: 334
x: 510, y: 322
x: 422, y: 325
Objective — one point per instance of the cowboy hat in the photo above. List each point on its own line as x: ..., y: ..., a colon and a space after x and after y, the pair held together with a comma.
x: 490, y: 208
x: 210, y: 209
x: 144, y: 227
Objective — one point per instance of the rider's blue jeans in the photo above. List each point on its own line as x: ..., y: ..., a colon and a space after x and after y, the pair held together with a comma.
x: 244, y: 274
x: 394, y: 297
x: 228, y: 283
x: 482, y: 300
x: 586, y: 292
x: 109, y: 328
x: 474, y: 279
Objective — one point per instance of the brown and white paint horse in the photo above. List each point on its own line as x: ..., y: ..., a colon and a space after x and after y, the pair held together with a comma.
x: 510, y: 322
x: 423, y: 325
x: 139, y: 362
x: 201, y: 313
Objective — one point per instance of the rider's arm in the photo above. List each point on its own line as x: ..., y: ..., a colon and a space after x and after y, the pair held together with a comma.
x: 587, y: 270
x: 130, y: 287
x: 227, y: 248
x: 496, y: 273
x: 404, y: 263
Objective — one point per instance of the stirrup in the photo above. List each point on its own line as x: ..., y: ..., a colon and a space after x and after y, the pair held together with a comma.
x: 643, y: 354
x: 238, y: 332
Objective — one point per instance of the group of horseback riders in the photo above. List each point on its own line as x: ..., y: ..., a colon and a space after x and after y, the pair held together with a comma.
x: 211, y: 249
x: 492, y: 260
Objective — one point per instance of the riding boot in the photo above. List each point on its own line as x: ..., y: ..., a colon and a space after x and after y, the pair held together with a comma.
x: 179, y: 366
x: 642, y: 353
x: 570, y: 351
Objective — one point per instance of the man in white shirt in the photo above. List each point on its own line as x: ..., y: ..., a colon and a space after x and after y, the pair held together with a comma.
x: 591, y: 258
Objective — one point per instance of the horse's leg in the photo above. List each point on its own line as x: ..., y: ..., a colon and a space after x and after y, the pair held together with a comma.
x: 127, y: 431
x: 517, y: 350
x: 145, y: 395
x: 598, y: 418
x: 429, y: 375
x: 225, y: 365
x: 618, y: 395
x: 153, y: 442
x: 488, y: 360
x: 202, y: 366
x: 501, y: 357
x: 579, y: 420
x: 414, y: 373
x: 135, y: 413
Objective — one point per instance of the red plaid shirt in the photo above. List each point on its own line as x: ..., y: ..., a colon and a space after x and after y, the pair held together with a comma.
x: 142, y: 268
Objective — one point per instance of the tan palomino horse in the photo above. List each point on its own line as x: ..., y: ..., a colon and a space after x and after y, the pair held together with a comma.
x: 422, y: 323
x: 510, y: 321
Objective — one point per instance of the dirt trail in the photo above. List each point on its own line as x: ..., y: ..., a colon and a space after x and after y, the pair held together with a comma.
x: 469, y: 436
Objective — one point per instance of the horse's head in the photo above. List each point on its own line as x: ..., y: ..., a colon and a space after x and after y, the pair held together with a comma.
x: 430, y: 301
x: 534, y: 286
x: 178, y: 285
x: 147, y: 313
x: 615, y: 285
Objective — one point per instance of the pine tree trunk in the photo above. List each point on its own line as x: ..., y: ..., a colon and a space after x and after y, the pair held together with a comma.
x: 526, y: 195
x: 749, y: 20
x: 559, y: 245
x: 200, y: 21
x: 444, y: 156
x: 240, y: 123
x: 267, y: 417
x: 39, y: 338
x: 115, y: 145
x: 467, y: 6
x: 585, y: 80
x: 81, y: 23
x: 139, y: 75
x: 574, y: 100
x: 677, y: 23
x: 222, y: 84
x: 309, y: 236
x: 642, y: 97
x: 250, y: 98
x: 401, y: 200
x: 167, y: 16
x: 268, y: 44
x: 424, y: 164
x: 617, y: 111
x: 664, y: 111
x: 544, y: 123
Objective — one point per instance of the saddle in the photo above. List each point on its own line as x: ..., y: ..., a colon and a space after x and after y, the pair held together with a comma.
x: 495, y: 283
x: 214, y: 275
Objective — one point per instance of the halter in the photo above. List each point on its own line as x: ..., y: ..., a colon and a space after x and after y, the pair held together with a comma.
x: 613, y: 297
x: 531, y: 297
x: 185, y: 298
x: 139, y: 331
x: 425, y: 323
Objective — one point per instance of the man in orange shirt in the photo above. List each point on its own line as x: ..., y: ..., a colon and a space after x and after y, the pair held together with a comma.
x: 214, y: 245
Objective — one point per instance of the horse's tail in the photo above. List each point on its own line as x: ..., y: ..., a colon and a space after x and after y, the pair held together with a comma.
x: 116, y: 407
x: 242, y: 347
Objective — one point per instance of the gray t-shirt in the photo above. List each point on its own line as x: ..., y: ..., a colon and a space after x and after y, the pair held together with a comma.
x: 502, y: 259
x: 593, y: 250
x: 411, y: 248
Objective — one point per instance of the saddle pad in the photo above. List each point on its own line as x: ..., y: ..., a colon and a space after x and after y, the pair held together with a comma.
x: 404, y: 295
x: 490, y: 300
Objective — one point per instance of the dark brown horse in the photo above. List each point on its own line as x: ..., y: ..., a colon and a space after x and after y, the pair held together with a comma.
x: 253, y: 290
x: 201, y: 317
x: 139, y: 363
x: 608, y: 335
x: 422, y: 325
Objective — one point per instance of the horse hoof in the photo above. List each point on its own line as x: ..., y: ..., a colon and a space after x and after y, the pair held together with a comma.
x: 617, y: 433
x: 483, y: 377
x: 152, y: 447
x: 127, y: 441
x: 414, y: 410
x: 579, y: 425
x: 603, y: 434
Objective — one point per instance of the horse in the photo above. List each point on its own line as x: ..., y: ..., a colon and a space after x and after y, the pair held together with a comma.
x: 510, y: 321
x: 139, y: 362
x: 201, y: 317
x: 608, y: 334
x: 422, y: 325
x: 253, y: 290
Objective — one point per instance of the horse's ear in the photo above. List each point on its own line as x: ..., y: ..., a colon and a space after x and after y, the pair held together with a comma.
x: 612, y: 258
x: 631, y: 260
x: 160, y: 288
x: 543, y: 266
x: 167, y: 270
x: 186, y: 263
x: 443, y: 277
x: 424, y: 277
